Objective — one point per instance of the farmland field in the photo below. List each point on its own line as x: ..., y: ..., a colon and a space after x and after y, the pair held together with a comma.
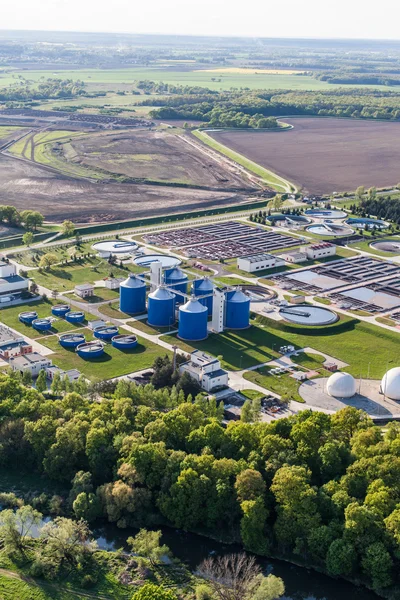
x: 324, y: 155
x: 159, y: 156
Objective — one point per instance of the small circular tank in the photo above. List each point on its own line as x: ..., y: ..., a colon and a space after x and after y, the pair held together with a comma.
x: 71, y: 340
x: 106, y: 332
x: 41, y: 324
x: 27, y: 317
x: 60, y: 310
x: 177, y: 280
x: 193, y: 318
x: 237, y: 310
x: 75, y: 316
x: 204, y: 286
x: 124, y: 341
x: 90, y: 350
x: 132, y: 299
x: 161, y: 307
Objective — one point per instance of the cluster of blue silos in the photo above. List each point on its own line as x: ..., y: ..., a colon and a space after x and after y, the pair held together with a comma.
x: 71, y: 340
x: 193, y: 317
x: 106, y: 332
x: 237, y: 310
x: 132, y: 298
x: 201, y: 287
x: 41, y: 324
x: 60, y: 310
x: 161, y: 307
x: 124, y: 341
x: 177, y: 282
x: 75, y: 316
x: 28, y: 317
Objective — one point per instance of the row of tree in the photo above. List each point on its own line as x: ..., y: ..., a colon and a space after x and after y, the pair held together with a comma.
x: 21, y: 90
x: 323, y: 488
x: 30, y: 219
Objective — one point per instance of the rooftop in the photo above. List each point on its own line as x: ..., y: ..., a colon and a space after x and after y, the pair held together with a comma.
x: 203, y: 357
x: 12, y: 279
x: 259, y: 257
x: 84, y: 286
x: 215, y: 374
x: 6, y: 336
x: 32, y: 358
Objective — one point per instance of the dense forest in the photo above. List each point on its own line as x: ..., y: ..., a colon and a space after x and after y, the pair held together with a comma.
x: 241, y: 105
x: 384, y: 207
x: 318, y: 488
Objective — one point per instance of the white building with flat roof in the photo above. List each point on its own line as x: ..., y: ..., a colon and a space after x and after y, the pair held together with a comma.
x: 113, y: 283
x: 33, y: 362
x: 320, y: 250
x: 295, y: 256
x: 72, y: 374
x: 84, y: 290
x: 206, y: 370
x: 259, y: 262
x: 10, y: 282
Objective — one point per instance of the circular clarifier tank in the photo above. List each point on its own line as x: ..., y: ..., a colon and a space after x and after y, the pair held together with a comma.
x: 320, y: 213
x: 60, y: 310
x: 389, y: 246
x: 75, y: 316
x: 27, y: 317
x: 90, y: 350
x: 71, y: 340
x: 330, y: 230
x: 304, y: 314
x: 361, y: 222
x: 41, y: 324
x: 106, y: 332
x: 124, y: 341
x: 168, y: 262
x: 112, y: 247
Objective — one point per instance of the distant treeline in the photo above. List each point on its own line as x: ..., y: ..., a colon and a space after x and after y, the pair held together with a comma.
x: 237, y: 107
x: 359, y: 78
x: 50, y: 88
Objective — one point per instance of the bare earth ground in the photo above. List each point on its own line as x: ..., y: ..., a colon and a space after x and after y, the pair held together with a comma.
x: 28, y: 186
x: 153, y: 155
x: 325, y: 155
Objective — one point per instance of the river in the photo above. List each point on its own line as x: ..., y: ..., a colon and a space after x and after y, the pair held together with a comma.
x: 300, y: 583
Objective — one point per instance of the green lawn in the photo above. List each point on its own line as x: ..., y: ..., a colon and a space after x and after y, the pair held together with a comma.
x: 284, y: 385
x: 142, y: 325
x: 102, y: 294
x: 6, y: 130
x: 367, y: 248
x: 31, y: 257
x: 322, y: 300
x: 350, y: 340
x: 252, y: 394
x: 113, y: 362
x: 268, y: 177
x: 65, y: 278
x: 9, y: 316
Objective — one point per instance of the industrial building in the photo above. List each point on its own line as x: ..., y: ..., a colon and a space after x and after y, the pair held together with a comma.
x: 206, y: 370
x: 113, y: 283
x: 72, y: 374
x: 12, y: 344
x: 258, y: 262
x: 295, y: 257
x: 11, y: 284
x: 320, y: 250
x: 84, y: 290
x: 33, y: 362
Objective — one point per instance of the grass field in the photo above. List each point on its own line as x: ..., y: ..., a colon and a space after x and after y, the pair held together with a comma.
x: 6, y: 130
x: 122, y: 78
x: 365, y: 246
x: 63, y: 252
x: 65, y: 278
x: 284, y: 385
x: 357, y: 343
x: 9, y: 316
x: 40, y: 149
x: 113, y: 363
x: 268, y: 177
x: 101, y: 294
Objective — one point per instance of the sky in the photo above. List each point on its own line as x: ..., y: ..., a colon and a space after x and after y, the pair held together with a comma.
x: 259, y: 18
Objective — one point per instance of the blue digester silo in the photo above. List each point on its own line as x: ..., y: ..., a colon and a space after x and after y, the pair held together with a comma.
x: 132, y: 299
x: 161, y: 307
x: 193, y: 318
x: 237, y: 310
x: 204, y: 286
x: 177, y: 281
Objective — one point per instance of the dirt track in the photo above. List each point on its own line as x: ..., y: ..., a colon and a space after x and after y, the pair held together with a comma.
x: 28, y: 186
x: 325, y: 155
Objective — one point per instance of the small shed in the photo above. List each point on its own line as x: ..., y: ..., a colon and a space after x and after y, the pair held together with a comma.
x: 84, y: 290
